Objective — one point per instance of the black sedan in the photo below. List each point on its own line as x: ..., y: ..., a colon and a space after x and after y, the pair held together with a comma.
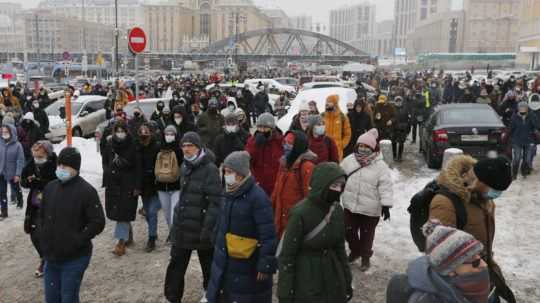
x: 474, y: 128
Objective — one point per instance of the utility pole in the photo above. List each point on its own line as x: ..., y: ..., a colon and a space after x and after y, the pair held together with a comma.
x: 116, y: 59
x: 83, y: 44
x: 36, y: 20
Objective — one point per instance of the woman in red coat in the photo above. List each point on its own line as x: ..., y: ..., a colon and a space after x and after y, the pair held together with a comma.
x: 265, y: 150
x: 292, y: 182
x: 323, y: 146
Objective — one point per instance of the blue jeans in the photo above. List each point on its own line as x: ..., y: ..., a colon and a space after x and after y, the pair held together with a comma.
x: 63, y: 280
x: 151, y: 206
x: 121, y: 230
x: 168, y: 200
x: 520, y: 156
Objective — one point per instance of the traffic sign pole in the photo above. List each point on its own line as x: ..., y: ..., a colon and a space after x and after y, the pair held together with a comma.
x: 69, y: 136
x: 136, y: 79
x: 137, y: 44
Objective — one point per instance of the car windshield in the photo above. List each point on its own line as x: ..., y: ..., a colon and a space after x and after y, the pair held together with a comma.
x: 147, y: 108
x: 54, y: 109
x: 469, y: 116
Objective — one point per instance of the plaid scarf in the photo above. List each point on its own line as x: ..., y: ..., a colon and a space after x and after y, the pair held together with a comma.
x: 473, y: 286
x: 365, y: 159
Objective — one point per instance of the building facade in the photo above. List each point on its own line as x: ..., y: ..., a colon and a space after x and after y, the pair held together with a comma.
x: 130, y: 12
x: 166, y: 27
x: 354, y: 24
x: 278, y: 18
x: 302, y: 22
x: 8, y: 13
x: 529, y: 34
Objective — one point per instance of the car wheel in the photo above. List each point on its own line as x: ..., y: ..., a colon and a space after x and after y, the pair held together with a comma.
x: 76, y: 132
x: 432, y: 162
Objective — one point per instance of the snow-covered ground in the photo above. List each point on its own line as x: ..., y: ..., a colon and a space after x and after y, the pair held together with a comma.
x: 139, y: 276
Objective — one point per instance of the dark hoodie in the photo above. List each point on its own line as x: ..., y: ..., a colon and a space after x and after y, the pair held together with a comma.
x: 360, y: 123
x: 187, y: 121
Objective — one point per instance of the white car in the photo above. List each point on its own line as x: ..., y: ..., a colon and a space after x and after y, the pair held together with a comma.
x: 209, y: 87
x: 87, y: 113
x: 319, y: 96
x: 287, y: 81
x: 314, y: 85
x: 271, y: 84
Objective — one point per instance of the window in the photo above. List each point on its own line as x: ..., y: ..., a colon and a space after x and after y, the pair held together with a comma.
x: 423, y: 13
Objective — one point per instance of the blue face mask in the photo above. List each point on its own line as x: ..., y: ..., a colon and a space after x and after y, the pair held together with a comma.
x: 493, y: 194
x: 287, y: 149
x: 63, y: 174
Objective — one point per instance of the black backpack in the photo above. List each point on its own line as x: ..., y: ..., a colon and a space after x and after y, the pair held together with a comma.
x: 419, y: 211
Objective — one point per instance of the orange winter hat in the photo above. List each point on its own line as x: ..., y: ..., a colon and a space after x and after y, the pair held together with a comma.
x: 334, y: 99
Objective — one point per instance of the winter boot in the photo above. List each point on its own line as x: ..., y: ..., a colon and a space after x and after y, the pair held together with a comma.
x: 365, y: 265
x: 39, y: 271
x: 19, y: 196
x: 3, y: 213
x: 130, y: 242
x: 151, y: 244
x: 120, y: 248
x: 352, y: 257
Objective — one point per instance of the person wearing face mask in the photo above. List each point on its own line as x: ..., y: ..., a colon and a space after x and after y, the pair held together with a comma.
x: 230, y: 108
x: 522, y: 135
x: 148, y: 147
x: 368, y: 195
x: 31, y: 134
x: 337, y: 124
x: 313, y: 110
x: 11, y: 166
x: 385, y: 116
x: 158, y: 112
x: 477, y: 184
x: 299, y: 121
x: 361, y: 121
x: 167, y: 183
x: 402, y: 128
x: 122, y: 178
x: 246, y: 212
x: 292, y: 180
x: 508, y: 107
x: 233, y: 138
x: 71, y: 216
x: 35, y: 176
x: 195, y: 216
x: 265, y: 149
x: 40, y: 116
x: 452, y: 270
x: 136, y: 121
x: 435, y: 92
x: 242, y: 119
x: 210, y: 124
x: 165, y: 118
x: 323, y: 146
x: 313, y: 263
x: 181, y: 121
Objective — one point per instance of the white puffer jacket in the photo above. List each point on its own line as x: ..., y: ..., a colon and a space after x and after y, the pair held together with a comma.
x: 368, y: 189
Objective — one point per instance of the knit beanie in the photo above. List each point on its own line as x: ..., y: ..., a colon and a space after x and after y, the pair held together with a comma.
x: 170, y: 129
x: 448, y: 248
x: 314, y: 120
x: 70, y: 156
x: 304, y: 106
x: 523, y: 105
x: 494, y: 172
x: 334, y: 99
x: 8, y: 120
x: 47, y: 146
x: 28, y: 116
x: 369, y: 138
x: 193, y: 138
x: 382, y: 99
x: 239, y: 162
x: 266, y: 120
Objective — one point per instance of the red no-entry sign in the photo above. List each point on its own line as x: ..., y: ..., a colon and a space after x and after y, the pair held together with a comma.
x: 136, y: 40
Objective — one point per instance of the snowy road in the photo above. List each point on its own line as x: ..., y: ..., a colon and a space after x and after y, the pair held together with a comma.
x: 138, y: 277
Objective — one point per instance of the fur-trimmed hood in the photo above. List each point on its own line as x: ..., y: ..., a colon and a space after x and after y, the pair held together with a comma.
x: 451, y: 176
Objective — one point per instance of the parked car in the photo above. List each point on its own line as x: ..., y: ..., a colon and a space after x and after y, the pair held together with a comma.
x: 146, y: 105
x: 287, y: 81
x: 313, y: 85
x: 271, y: 84
x: 87, y: 113
x: 474, y: 128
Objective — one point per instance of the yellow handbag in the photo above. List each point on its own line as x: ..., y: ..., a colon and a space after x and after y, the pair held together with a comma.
x: 240, y: 247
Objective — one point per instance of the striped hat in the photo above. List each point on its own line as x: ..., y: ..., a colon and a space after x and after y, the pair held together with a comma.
x: 448, y: 248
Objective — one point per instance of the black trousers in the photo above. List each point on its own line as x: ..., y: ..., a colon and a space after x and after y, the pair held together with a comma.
x: 174, y: 280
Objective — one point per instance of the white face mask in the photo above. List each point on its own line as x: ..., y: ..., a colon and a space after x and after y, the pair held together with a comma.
x: 231, y: 128
x: 178, y: 120
x: 121, y: 135
x: 230, y: 179
x: 6, y: 136
x: 170, y: 138
x: 319, y: 130
x: 35, y: 104
x: 232, y: 108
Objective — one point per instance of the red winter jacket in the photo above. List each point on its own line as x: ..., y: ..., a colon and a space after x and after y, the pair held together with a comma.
x: 325, y: 148
x: 265, y: 160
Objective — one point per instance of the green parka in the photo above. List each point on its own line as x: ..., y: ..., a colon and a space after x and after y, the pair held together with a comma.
x: 315, y: 271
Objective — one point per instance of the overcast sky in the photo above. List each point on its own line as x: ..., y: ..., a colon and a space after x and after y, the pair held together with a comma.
x: 317, y: 8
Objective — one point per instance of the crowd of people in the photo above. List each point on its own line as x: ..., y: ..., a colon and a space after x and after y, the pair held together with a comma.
x: 253, y: 200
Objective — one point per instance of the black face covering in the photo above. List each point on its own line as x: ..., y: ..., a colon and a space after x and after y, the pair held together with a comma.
x: 261, y: 138
x: 332, y: 196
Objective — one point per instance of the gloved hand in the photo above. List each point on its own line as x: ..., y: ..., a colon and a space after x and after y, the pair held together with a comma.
x: 385, y: 213
x: 349, y: 294
x: 120, y: 162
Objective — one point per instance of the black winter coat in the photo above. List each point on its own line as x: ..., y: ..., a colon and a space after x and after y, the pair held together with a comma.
x: 122, y: 175
x: 41, y: 117
x: 402, y: 123
x: 148, y: 156
x: 227, y: 143
x: 360, y: 123
x: 42, y: 175
x: 210, y: 125
x: 71, y: 216
x: 197, y: 211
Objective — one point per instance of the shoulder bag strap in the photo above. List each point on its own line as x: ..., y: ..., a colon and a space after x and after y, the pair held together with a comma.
x: 312, y: 234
